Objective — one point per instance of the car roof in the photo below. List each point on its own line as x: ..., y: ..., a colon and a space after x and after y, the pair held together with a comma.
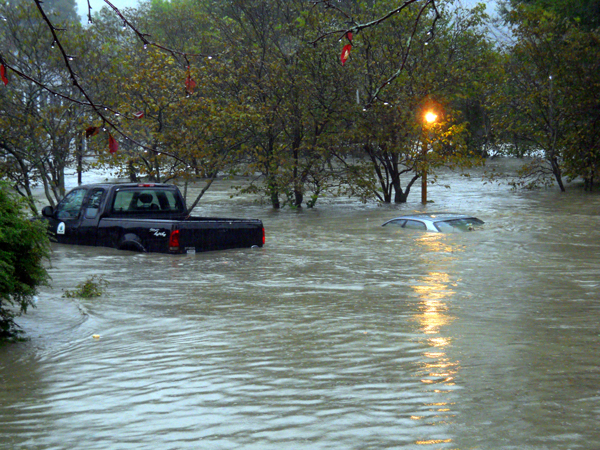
x: 433, y: 216
x: 126, y: 185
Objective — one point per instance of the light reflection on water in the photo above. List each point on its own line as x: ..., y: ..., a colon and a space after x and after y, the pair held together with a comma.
x: 338, y: 334
x: 434, y: 291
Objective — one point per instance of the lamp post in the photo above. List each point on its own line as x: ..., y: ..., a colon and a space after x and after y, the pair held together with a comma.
x: 430, y: 117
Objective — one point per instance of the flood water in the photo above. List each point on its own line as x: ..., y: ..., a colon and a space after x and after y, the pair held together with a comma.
x: 338, y: 334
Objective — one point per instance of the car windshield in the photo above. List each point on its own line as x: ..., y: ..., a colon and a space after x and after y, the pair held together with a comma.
x: 70, y: 206
x: 452, y: 225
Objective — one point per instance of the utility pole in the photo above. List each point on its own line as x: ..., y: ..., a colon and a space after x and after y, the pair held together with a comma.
x: 430, y: 118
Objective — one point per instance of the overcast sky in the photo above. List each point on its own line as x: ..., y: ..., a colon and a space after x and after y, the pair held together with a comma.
x: 82, y: 6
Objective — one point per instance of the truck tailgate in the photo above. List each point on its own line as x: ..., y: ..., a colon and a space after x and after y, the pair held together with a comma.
x: 202, y: 234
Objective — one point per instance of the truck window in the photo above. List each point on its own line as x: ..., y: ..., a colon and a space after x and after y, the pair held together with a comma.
x: 122, y: 201
x: 93, y: 204
x: 69, y: 207
x: 156, y: 200
x: 168, y: 201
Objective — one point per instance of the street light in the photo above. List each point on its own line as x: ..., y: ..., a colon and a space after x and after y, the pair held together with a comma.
x: 430, y: 118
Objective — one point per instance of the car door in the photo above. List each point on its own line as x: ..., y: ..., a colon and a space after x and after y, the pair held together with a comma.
x: 90, y: 215
x: 67, y: 216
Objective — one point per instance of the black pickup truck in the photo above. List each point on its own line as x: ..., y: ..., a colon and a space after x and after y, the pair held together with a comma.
x: 144, y: 218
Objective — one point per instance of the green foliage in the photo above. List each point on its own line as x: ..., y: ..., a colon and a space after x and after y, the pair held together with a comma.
x: 24, y: 246
x: 59, y: 10
x: 583, y: 12
x: 40, y: 134
x: 270, y: 105
x: 293, y: 96
x: 550, y: 97
x: 94, y: 286
x: 439, y: 75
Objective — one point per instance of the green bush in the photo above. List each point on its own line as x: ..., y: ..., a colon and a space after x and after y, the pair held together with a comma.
x: 24, y: 245
x: 94, y: 286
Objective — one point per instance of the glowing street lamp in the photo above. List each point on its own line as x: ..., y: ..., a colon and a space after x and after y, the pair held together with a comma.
x: 430, y: 118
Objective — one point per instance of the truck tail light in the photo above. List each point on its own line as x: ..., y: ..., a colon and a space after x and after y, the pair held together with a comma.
x: 263, y: 236
x: 174, y: 240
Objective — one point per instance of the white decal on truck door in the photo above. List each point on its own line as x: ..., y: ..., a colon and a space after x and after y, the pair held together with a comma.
x: 61, y: 228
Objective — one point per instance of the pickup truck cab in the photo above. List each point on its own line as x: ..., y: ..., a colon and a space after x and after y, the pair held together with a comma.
x: 144, y: 218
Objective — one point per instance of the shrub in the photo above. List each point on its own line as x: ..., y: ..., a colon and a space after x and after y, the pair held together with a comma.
x: 94, y: 286
x: 24, y: 245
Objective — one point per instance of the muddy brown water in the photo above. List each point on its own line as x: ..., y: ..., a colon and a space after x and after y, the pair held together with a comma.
x: 338, y: 334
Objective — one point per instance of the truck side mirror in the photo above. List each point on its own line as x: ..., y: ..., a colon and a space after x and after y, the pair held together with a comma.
x: 47, y: 211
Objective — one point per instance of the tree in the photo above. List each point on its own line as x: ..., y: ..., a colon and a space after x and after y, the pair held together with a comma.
x: 63, y: 10
x: 437, y: 72
x: 153, y: 87
x: 175, y: 122
x: 584, y: 12
x: 581, y: 83
x: 290, y: 91
x: 44, y: 115
x: 24, y: 246
x: 551, y: 96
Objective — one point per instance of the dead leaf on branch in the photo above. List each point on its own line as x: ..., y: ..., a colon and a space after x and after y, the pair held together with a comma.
x: 91, y: 131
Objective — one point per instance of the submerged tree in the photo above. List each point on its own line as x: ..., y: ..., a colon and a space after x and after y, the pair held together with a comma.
x: 435, y: 73
x: 551, y: 96
x: 275, y: 102
x: 292, y: 93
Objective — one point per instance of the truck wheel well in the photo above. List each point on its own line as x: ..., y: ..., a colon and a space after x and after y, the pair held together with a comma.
x: 132, y: 243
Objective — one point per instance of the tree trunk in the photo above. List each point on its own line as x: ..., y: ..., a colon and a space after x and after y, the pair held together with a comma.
x: 132, y: 173
x: 298, y: 182
x: 400, y: 196
x: 557, y: 173
x: 298, y: 198
x: 273, y: 192
x: 274, y: 197
x: 79, y: 162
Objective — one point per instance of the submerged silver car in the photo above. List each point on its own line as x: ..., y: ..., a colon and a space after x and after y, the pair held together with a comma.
x: 436, y: 222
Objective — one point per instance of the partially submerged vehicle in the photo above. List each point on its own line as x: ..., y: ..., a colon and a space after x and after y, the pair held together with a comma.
x: 144, y: 218
x: 436, y: 222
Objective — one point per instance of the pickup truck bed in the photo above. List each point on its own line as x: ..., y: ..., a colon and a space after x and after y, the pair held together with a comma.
x: 146, y: 218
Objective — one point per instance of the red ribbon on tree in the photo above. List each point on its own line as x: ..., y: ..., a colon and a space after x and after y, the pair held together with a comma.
x: 113, y: 145
x: 345, y: 53
x: 3, y: 74
x: 190, y: 84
